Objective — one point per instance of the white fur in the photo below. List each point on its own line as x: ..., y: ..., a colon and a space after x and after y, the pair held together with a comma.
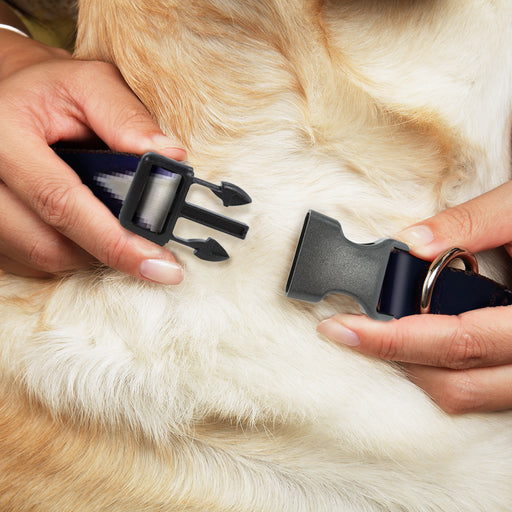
x: 321, y: 427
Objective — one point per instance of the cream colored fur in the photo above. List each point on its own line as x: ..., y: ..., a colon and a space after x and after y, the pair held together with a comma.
x: 217, y: 394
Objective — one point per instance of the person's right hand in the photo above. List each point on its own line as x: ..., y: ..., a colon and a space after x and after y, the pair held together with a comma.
x: 464, y: 362
x: 49, y: 221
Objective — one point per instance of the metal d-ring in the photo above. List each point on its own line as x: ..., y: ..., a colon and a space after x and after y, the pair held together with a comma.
x: 437, y: 266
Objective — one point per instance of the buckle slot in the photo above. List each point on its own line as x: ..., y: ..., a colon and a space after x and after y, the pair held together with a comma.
x: 326, y: 262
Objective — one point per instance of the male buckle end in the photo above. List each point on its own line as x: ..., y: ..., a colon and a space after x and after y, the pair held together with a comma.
x: 161, y: 180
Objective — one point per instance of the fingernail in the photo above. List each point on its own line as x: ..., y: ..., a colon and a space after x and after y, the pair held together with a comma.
x: 161, y: 271
x: 416, y: 237
x: 164, y: 143
x: 338, y: 333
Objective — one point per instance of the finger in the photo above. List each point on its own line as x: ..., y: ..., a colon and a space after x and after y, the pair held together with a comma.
x: 116, y: 115
x: 474, y: 339
x: 463, y: 391
x: 26, y: 240
x: 14, y: 267
x: 480, y: 224
x: 57, y: 196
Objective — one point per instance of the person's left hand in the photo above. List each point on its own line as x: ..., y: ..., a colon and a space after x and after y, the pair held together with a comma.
x: 50, y: 222
x: 463, y: 362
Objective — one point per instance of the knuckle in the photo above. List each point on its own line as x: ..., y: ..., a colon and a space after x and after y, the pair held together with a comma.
x: 128, y: 121
x: 461, y: 220
x: 460, y: 394
x: 42, y: 257
x: 105, y: 67
x: 115, y: 251
x: 60, y: 53
x: 134, y: 116
x: 98, y: 69
x: 389, y: 346
x: 465, y: 349
x: 53, y: 203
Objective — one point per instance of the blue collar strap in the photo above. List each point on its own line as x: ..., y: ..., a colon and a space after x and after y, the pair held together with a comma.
x: 148, y: 195
x: 386, y: 280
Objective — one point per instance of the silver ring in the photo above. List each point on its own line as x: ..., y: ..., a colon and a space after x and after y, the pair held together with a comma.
x: 437, y: 266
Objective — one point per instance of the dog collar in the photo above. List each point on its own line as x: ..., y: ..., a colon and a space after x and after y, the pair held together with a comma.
x: 148, y: 195
x: 385, y: 279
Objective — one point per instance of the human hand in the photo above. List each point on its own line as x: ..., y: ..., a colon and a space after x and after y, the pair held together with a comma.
x: 49, y: 221
x: 463, y: 362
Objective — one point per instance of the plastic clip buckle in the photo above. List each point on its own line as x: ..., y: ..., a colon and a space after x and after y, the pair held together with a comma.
x: 182, y: 177
x: 326, y: 262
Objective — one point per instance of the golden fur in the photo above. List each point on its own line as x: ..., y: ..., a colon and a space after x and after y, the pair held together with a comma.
x: 217, y: 394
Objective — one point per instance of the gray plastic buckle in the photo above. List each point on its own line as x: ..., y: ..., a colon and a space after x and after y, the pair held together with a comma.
x: 326, y: 262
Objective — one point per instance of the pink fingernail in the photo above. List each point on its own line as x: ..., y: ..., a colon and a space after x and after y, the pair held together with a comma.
x: 161, y: 271
x: 338, y: 333
x: 416, y: 237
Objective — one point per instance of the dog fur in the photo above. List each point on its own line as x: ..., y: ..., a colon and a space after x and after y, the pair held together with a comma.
x: 217, y: 394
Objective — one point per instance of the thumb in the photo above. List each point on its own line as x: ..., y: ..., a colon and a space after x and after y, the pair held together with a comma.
x: 479, y: 224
